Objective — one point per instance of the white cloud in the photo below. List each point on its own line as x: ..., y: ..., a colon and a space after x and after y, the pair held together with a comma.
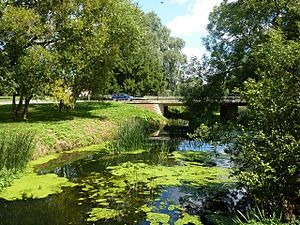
x: 195, y: 20
x: 179, y: 1
x: 190, y: 52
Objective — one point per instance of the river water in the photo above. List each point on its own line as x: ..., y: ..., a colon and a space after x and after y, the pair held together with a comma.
x: 188, y: 185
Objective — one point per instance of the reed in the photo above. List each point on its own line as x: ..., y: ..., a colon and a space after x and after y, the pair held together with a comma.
x: 16, y: 150
x: 258, y: 216
x: 132, y: 135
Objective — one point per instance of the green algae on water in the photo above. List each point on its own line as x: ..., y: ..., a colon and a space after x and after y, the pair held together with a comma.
x: 156, y: 218
x: 32, y: 185
x: 187, y: 219
x: 137, y: 184
x: 154, y: 176
x: 104, y: 213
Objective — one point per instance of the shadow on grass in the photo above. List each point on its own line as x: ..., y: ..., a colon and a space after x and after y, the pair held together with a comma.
x: 49, y: 112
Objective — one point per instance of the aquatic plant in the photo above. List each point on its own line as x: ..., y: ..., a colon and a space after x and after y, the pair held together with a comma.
x: 32, y: 185
x: 187, y: 219
x: 136, y: 186
x: 258, y: 216
x: 132, y: 135
x: 156, y: 218
x: 16, y: 150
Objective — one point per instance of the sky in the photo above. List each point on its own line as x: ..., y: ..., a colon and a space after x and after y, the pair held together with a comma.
x: 186, y: 19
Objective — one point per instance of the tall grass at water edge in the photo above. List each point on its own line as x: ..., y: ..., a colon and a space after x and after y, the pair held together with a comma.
x: 16, y: 150
x: 258, y: 217
x: 131, y: 135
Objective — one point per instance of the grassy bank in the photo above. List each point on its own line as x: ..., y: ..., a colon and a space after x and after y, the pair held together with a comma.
x: 90, y: 123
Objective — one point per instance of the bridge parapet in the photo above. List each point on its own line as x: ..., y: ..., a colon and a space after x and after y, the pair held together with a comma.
x: 233, y: 99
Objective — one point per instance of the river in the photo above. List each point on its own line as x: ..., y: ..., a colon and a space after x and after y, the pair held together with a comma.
x: 188, y: 184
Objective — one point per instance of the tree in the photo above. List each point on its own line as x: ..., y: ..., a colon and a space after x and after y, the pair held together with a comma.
x: 83, y: 41
x: 26, y: 62
x: 268, y: 156
x: 259, y: 52
x: 170, y: 50
x: 153, y: 63
x: 234, y: 29
x: 138, y: 70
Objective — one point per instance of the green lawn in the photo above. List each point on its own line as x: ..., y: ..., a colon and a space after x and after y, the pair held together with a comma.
x: 90, y: 123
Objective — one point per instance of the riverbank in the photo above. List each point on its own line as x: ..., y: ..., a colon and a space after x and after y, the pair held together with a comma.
x: 90, y: 123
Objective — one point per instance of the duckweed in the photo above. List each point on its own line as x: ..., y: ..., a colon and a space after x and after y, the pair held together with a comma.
x: 35, y: 186
x: 187, y: 219
x: 139, y: 188
x: 32, y: 185
x: 103, y: 213
x: 157, y: 218
x: 135, y: 184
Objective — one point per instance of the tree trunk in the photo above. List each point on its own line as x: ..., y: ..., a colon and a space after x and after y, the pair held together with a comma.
x: 61, y: 105
x: 14, y: 103
x: 25, y: 111
x: 18, y: 109
x: 73, y: 103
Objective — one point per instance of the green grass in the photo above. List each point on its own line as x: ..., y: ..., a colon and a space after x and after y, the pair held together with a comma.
x: 6, y: 98
x: 89, y: 123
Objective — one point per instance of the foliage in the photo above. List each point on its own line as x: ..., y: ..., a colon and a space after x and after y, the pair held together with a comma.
x: 268, y: 156
x: 266, y: 149
x: 234, y: 30
x: 152, y: 62
x: 27, y: 63
x: 234, y: 34
x: 60, y: 92
x: 264, y: 47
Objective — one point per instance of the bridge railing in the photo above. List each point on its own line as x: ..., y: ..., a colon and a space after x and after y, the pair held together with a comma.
x: 175, y: 98
x: 233, y: 98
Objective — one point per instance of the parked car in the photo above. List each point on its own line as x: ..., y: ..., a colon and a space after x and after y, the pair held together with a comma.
x: 122, y: 96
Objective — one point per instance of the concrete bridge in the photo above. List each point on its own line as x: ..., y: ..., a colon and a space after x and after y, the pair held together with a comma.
x: 228, y: 105
x: 159, y: 106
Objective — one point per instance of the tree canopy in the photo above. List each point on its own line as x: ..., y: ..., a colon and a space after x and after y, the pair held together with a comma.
x: 84, y: 45
x: 236, y: 27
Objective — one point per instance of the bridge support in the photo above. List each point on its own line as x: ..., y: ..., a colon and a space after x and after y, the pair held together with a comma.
x: 228, y: 111
x: 154, y: 107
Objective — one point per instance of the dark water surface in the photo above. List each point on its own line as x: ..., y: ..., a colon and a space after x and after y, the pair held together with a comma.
x: 140, y: 188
